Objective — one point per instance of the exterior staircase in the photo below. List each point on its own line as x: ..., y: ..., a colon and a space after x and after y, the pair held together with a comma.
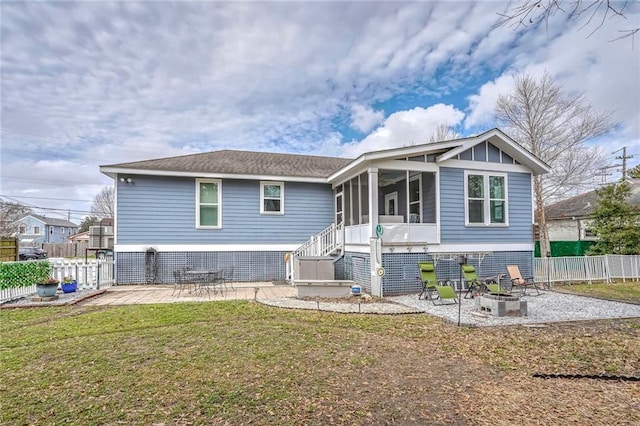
x: 327, y: 242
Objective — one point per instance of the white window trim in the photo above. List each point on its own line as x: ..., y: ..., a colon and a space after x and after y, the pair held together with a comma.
x: 487, y: 199
x: 262, y: 185
x: 62, y: 230
x: 219, y: 183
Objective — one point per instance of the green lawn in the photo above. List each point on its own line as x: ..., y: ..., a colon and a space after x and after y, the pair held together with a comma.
x: 239, y: 362
x: 626, y: 292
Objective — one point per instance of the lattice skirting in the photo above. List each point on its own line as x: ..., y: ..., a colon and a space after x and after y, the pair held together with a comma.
x: 354, y: 266
x: 138, y: 268
x: 401, y: 269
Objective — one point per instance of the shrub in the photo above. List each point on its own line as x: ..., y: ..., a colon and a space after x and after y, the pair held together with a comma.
x: 23, y: 274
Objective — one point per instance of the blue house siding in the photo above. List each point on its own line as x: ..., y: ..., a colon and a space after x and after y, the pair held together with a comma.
x: 452, y: 227
x: 161, y: 210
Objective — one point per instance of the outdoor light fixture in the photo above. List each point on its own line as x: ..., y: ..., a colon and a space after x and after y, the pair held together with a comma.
x: 126, y: 180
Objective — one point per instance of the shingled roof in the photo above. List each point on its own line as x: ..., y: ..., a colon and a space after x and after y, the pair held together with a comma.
x: 53, y: 221
x: 582, y: 205
x: 243, y: 163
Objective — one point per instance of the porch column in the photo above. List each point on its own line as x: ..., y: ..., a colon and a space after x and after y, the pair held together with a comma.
x: 375, y: 248
x: 373, y: 200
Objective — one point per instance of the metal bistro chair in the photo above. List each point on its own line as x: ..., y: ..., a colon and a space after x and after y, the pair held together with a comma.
x: 181, y: 282
x: 227, y: 276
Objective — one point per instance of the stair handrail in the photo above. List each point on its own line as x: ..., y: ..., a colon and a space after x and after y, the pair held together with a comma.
x: 323, y: 243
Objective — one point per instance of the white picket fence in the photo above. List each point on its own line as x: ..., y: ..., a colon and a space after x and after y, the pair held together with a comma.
x: 605, y: 268
x: 93, y: 274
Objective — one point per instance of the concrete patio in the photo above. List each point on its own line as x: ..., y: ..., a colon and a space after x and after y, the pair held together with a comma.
x: 161, y: 293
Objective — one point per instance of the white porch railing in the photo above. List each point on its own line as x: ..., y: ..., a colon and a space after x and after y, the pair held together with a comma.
x: 588, y: 268
x: 324, y: 243
x: 94, y: 274
x: 396, y: 233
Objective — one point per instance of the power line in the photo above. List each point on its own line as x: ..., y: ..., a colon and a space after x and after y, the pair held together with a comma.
x: 44, y: 198
x: 53, y: 209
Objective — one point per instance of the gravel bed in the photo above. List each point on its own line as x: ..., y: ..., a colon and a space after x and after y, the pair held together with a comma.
x: 548, y: 307
x: 63, y: 299
x: 363, y: 308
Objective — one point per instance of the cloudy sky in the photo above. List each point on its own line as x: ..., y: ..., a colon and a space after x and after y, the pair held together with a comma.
x: 91, y: 83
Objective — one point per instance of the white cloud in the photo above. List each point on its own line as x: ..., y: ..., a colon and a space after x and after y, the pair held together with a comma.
x: 364, y: 118
x: 406, y: 128
x: 482, y: 104
x: 104, y: 82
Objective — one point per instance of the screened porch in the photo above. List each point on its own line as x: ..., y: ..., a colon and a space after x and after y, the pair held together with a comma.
x: 405, y: 202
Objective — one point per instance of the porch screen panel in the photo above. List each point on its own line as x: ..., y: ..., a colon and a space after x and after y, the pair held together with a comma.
x: 414, y: 200
x: 355, y: 200
x: 364, y: 197
x: 347, y: 204
x: 339, y: 214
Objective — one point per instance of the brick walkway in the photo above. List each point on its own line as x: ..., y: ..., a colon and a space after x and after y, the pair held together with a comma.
x: 142, y: 294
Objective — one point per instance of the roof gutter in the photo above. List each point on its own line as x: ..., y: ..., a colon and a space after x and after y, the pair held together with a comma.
x: 112, y: 172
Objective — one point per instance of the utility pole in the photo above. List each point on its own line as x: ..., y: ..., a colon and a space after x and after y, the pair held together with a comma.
x: 624, y: 157
x: 603, y: 173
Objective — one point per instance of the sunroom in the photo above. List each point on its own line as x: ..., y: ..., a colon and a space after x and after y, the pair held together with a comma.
x: 394, y: 199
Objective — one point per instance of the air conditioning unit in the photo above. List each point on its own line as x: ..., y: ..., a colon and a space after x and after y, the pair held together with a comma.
x: 100, y: 236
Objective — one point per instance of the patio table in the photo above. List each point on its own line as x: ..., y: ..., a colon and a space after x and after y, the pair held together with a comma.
x: 205, y: 278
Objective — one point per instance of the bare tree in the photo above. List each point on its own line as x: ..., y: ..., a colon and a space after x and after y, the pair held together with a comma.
x: 443, y: 132
x: 591, y: 13
x: 9, y: 214
x: 103, y: 203
x: 554, y: 126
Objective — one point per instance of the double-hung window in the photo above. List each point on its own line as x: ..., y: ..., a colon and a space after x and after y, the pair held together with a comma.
x: 271, y: 198
x: 208, y: 203
x: 486, y: 198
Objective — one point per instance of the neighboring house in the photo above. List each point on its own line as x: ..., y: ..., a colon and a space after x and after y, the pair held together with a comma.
x: 569, y: 220
x: 80, y: 238
x: 257, y: 211
x: 35, y: 229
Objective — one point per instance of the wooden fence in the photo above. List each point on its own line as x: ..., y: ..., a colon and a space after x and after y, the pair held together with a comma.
x: 8, y: 249
x: 65, y: 250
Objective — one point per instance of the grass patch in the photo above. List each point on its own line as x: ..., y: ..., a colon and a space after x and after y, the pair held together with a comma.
x: 625, y: 292
x: 239, y: 362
